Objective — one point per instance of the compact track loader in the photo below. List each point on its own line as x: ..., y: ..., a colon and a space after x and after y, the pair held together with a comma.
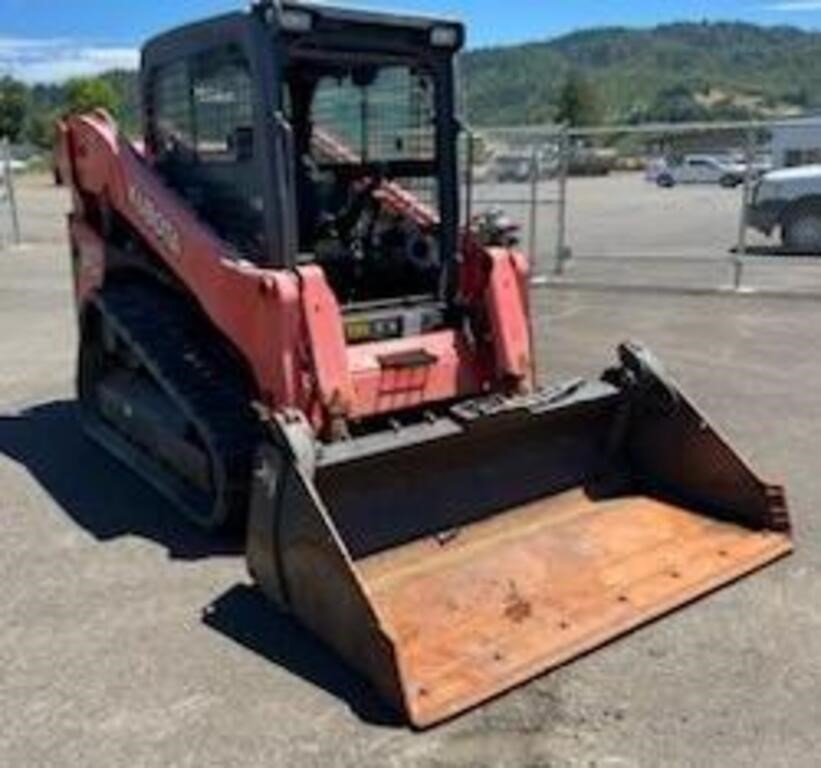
x: 284, y: 328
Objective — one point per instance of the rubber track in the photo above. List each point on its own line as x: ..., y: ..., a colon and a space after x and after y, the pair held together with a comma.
x: 187, y: 359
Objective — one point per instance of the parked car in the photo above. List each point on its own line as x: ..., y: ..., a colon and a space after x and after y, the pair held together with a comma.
x: 592, y: 161
x: 762, y: 162
x: 702, y: 169
x: 514, y: 167
x: 789, y: 200
x: 654, y: 168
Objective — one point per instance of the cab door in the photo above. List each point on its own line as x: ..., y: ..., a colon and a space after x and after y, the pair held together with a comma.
x: 211, y: 132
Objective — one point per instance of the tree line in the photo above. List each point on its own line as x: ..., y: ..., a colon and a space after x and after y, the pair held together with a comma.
x: 672, y: 73
x: 28, y: 114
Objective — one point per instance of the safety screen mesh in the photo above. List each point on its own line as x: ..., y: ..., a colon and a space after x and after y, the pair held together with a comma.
x: 223, y: 105
x: 172, y: 125
x: 389, y: 118
x: 425, y: 190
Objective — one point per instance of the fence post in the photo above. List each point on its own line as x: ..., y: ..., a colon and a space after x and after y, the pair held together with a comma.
x: 4, y: 192
x: 742, y: 247
x: 562, y: 251
x: 533, y: 225
x: 9, y: 179
x: 470, y: 159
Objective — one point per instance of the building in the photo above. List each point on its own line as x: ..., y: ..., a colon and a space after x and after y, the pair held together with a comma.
x: 797, y: 142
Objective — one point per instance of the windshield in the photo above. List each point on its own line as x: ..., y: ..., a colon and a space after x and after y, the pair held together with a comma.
x: 361, y: 121
x: 381, y: 115
x: 363, y: 132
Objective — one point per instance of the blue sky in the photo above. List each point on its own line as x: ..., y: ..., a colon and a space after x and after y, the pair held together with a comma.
x: 54, y: 39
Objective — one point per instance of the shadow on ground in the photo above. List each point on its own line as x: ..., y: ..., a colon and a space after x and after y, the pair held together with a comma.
x: 244, y: 615
x: 777, y: 251
x: 99, y: 494
x: 107, y: 500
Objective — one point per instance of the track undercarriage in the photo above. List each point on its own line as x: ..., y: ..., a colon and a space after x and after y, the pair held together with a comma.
x: 157, y: 390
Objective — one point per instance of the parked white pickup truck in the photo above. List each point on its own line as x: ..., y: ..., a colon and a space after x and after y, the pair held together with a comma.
x: 789, y: 200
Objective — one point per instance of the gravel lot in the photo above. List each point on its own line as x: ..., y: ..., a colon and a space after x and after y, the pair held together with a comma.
x: 625, y: 231
x: 130, y: 639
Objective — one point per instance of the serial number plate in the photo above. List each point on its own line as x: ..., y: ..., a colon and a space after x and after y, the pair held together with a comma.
x: 360, y: 331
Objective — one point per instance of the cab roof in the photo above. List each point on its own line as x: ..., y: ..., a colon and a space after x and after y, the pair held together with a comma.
x: 375, y: 17
x: 329, y: 18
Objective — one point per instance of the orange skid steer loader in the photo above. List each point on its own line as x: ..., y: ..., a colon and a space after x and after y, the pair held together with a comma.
x: 284, y: 328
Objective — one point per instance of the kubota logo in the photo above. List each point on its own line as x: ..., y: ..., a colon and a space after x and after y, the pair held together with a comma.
x: 155, y: 220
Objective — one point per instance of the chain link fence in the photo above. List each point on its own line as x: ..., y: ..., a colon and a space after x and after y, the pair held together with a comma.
x: 653, y: 206
x: 656, y: 206
x: 9, y: 215
x: 521, y: 174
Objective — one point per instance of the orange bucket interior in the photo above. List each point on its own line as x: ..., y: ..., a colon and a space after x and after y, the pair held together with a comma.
x: 506, y: 599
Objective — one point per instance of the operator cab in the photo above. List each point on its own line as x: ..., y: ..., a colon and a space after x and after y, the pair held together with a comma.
x: 358, y: 127
x: 294, y: 129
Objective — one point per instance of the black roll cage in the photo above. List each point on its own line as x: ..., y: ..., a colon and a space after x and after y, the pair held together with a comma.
x: 354, y: 35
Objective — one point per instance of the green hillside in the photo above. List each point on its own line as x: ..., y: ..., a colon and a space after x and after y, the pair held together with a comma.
x: 674, y: 72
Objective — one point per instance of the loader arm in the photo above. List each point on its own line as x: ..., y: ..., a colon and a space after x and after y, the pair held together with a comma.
x: 287, y: 324
x: 258, y: 310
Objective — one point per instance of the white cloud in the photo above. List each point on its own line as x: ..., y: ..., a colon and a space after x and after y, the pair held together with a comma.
x: 55, y: 59
x: 795, y: 6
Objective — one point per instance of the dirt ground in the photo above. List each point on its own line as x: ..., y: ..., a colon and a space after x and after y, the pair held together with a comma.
x: 130, y: 639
